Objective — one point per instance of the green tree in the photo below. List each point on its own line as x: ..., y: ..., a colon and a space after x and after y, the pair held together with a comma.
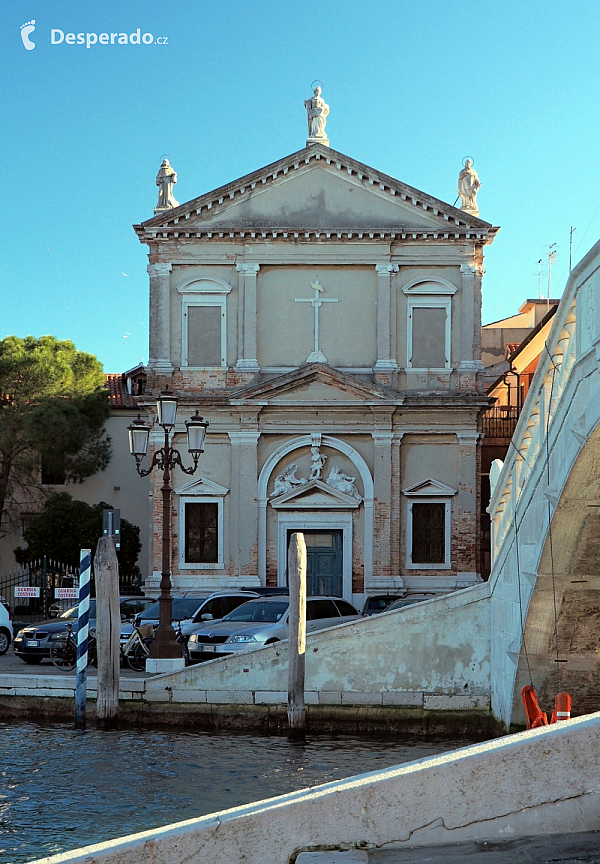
x: 53, y: 406
x: 65, y: 526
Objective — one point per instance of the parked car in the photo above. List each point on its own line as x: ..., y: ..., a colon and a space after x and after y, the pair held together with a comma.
x: 262, y: 622
x: 409, y: 600
x: 32, y: 644
x: 189, y: 612
x: 6, y: 629
x: 378, y: 603
x: 4, y: 602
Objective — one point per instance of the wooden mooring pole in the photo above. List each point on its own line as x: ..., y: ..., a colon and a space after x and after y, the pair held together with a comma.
x: 297, y: 638
x: 108, y: 633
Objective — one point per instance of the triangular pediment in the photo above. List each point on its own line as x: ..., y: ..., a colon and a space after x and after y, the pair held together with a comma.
x: 315, y: 384
x: 315, y: 190
x: 430, y: 487
x: 201, y: 486
x: 315, y: 495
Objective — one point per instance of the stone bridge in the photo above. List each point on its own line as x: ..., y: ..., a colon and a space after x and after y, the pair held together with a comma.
x: 545, y: 509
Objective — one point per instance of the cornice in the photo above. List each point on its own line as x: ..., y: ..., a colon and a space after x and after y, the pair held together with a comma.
x: 173, y: 223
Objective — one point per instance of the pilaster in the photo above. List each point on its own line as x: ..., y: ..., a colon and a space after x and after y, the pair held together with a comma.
x: 470, y: 341
x: 386, y: 362
x: 465, y: 545
x: 247, y: 361
x: 382, y: 495
x: 160, y: 318
x: 244, y: 502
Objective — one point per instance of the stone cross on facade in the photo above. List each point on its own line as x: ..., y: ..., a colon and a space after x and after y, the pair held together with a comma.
x: 317, y: 301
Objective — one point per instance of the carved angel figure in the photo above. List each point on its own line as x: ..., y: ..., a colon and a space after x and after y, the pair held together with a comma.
x: 287, y: 480
x: 317, y: 461
x: 343, y: 482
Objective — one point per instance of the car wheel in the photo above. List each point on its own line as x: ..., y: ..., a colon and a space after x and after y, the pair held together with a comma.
x: 4, y: 640
x: 33, y: 661
x: 271, y: 641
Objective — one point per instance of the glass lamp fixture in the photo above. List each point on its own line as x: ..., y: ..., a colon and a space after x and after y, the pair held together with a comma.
x: 138, y: 438
x: 196, y: 433
x: 166, y: 406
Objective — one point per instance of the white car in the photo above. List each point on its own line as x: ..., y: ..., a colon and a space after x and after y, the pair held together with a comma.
x: 263, y: 621
x: 6, y: 629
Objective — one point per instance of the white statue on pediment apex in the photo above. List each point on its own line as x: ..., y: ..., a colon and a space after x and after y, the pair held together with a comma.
x: 287, y: 480
x: 338, y: 480
x: 316, y: 114
x: 165, y: 180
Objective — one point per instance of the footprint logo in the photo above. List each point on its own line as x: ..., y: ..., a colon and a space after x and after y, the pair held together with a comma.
x: 26, y: 30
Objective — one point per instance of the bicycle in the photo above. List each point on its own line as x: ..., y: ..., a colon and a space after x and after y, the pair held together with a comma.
x: 135, y: 650
x: 63, y: 652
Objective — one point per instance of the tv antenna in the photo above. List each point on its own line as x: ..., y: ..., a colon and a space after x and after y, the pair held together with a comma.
x: 552, y: 253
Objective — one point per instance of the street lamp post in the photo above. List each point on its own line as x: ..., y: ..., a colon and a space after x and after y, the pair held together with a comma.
x: 167, y: 458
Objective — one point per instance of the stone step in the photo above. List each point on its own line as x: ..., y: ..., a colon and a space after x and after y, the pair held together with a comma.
x: 582, y: 848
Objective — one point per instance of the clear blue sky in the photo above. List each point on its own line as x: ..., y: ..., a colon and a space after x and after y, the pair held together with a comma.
x: 413, y: 88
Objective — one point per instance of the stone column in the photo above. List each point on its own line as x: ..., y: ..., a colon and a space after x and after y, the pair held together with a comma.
x: 465, y: 531
x: 470, y: 339
x: 159, y: 360
x: 386, y: 363
x: 243, y: 534
x: 248, y: 275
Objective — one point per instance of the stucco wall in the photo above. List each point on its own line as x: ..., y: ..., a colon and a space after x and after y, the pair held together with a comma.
x: 440, y: 647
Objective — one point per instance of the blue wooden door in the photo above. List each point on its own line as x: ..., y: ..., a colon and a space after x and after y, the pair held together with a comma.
x: 324, y: 562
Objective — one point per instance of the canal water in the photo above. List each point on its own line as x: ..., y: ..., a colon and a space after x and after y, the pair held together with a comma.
x: 60, y: 790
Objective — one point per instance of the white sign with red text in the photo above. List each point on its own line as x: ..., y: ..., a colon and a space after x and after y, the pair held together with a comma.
x: 26, y: 591
x: 66, y: 593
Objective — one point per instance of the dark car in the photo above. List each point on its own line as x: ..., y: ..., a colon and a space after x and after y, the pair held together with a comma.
x: 378, y: 603
x: 409, y: 600
x: 188, y: 612
x: 33, y: 643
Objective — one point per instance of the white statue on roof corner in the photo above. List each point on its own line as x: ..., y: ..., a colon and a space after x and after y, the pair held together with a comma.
x: 165, y: 180
x: 316, y: 115
x: 468, y: 184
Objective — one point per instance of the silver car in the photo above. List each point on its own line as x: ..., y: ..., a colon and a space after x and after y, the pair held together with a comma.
x: 262, y: 622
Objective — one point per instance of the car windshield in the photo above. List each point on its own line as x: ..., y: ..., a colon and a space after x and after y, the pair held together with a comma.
x: 183, y: 607
x: 73, y: 612
x: 258, y: 611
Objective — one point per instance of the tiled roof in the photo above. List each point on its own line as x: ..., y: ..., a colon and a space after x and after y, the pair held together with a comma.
x: 118, y: 395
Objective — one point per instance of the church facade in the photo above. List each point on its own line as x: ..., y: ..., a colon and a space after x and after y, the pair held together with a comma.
x: 325, y: 319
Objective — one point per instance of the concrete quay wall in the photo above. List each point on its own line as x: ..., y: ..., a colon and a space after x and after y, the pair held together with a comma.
x: 423, y: 653
x: 545, y: 781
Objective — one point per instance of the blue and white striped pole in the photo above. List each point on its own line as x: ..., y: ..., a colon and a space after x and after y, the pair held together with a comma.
x: 85, y: 569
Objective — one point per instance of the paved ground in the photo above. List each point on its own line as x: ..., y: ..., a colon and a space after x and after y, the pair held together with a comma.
x: 12, y: 665
x: 555, y: 849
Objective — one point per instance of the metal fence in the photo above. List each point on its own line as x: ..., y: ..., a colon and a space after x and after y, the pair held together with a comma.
x: 33, y: 589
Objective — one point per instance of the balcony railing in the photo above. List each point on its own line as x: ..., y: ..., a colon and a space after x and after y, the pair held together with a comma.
x: 500, y: 421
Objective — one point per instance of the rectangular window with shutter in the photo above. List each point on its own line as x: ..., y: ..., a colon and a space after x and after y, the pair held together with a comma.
x: 204, y: 336
x: 428, y: 337
x: 201, y: 533
x: 428, y: 533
